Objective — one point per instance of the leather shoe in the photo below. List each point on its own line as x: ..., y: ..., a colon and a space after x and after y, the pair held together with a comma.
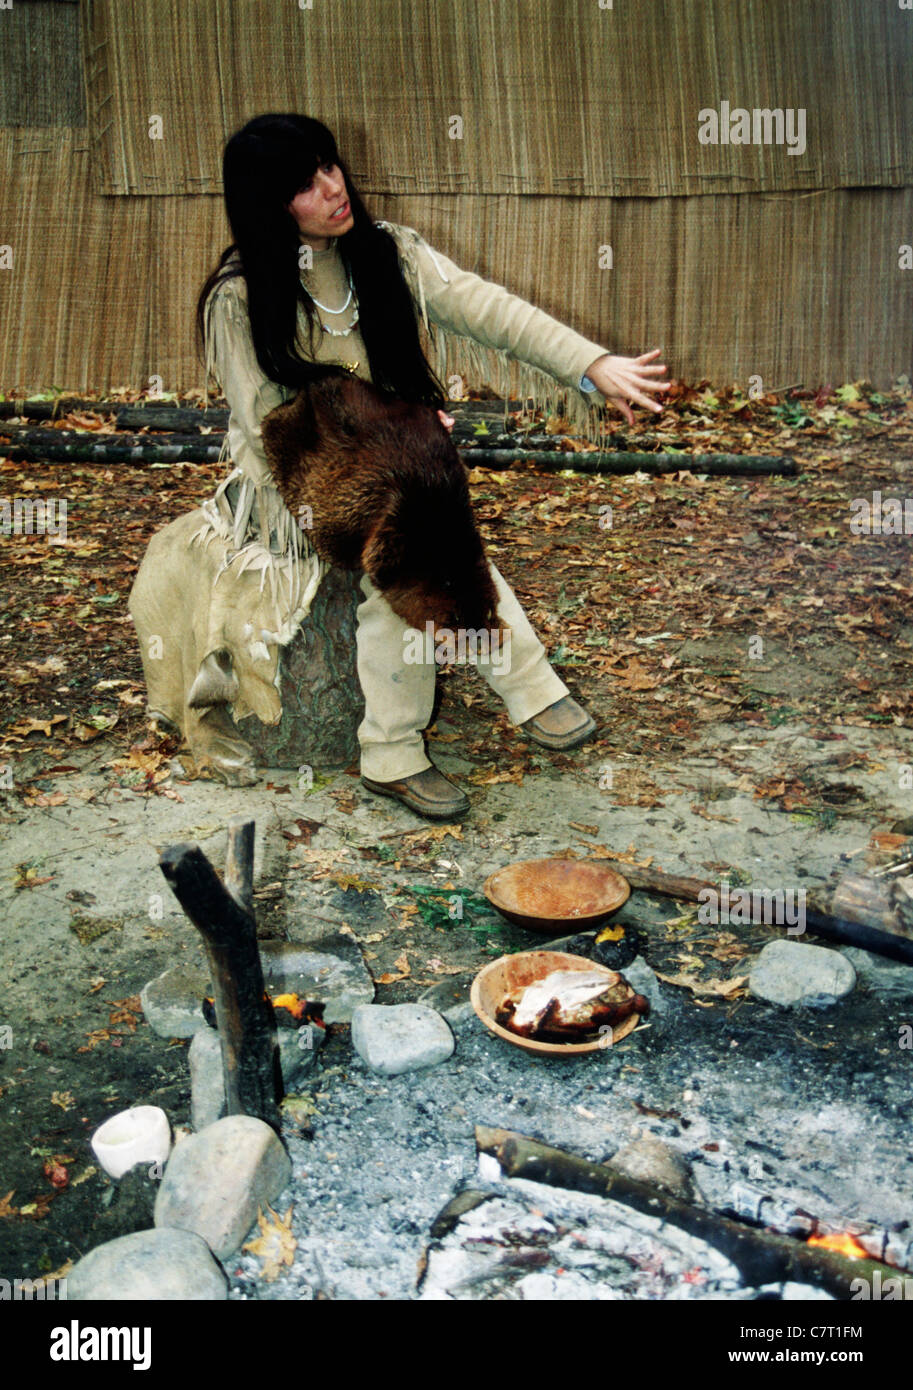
x: 565, y: 724
x: 429, y: 793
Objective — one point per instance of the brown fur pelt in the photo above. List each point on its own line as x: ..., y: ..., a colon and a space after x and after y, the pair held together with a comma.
x: 388, y: 494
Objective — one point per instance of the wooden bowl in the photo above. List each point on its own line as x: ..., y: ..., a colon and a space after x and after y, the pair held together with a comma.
x: 509, y: 974
x: 547, y: 895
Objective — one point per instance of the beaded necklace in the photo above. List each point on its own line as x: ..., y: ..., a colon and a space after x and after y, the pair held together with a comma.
x: 336, y: 332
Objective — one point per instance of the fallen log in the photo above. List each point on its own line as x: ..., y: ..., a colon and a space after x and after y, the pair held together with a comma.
x: 886, y: 933
x: 761, y: 1257
x: 556, y: 461
x: 171, y: 417
x: 29, y: 445
x: 155, y: 415
x: 222, y: 913
x: 88, y: 446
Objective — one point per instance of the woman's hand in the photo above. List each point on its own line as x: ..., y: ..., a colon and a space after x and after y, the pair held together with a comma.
x: 621, y: 379
x: 446, y: 420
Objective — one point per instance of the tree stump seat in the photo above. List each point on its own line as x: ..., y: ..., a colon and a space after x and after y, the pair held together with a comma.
x: 322, y: 703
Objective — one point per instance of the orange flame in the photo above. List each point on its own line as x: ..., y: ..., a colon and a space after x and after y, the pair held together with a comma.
x: 843, y: 1244
x: 292, y: 1003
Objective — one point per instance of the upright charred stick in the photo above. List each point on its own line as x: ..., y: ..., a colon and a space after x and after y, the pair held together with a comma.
x: 220, y: 912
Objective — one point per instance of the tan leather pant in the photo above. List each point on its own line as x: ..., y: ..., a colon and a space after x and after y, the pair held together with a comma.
x: 399, y: 692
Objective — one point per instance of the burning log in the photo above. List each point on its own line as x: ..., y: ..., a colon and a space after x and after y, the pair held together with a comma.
x: 891, y: 1246
x: 223, y: 914
x: 761, y: 1257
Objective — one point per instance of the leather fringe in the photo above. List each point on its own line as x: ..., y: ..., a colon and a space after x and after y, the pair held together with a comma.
x: 453, y: 354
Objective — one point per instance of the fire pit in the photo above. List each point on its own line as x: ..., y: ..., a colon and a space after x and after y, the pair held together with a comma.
x: 548, y: 895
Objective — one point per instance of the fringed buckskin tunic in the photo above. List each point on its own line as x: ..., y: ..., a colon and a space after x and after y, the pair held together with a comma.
x: 255, y: 575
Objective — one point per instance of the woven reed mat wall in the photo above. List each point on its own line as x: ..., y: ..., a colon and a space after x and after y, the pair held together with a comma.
x: 556, y: 96
x: 561, y: 98
x: 41, y: 77
x: 796, y: 288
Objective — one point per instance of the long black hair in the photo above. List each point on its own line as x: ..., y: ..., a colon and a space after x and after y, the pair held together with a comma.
x: 264, y: 165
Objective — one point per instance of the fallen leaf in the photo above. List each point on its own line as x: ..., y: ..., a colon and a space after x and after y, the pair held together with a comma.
x: 36, y: 726
x: 306, y: 829
x: 488, y: 777
x: 634, y: 676
x: 347, y: 881
x: 38, y: 1209
x: 6, y: 1207
x: 26, y: 877
x: 275, y: 1246
x: 64, y: 1099
x: 724, y: 989
x: 434, y: 832
x: 402, y: 965
x: 883, y: 839
x: 56, y: 1173
x: 628, y: 856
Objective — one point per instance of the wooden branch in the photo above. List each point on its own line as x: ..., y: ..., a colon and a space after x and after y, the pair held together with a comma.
x: 239, y: 862
x: 760, y: 1256
x: 247, y: 1028
x: 872, y: 902
x: 885, y: 935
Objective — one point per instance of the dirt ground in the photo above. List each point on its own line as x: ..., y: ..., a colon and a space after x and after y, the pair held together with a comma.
x: 747, y: 657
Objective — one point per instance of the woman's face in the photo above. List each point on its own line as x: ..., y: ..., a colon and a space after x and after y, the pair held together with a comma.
x: 321, y: 208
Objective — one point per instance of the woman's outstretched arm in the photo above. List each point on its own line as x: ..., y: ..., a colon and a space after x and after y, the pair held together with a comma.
x: 465, y: 303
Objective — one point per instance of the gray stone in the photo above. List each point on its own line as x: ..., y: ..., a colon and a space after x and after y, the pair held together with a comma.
x: 172, y: 1002
x: 451, y: 1000
x: 393, y: 1038
x: 216, y: 1180
x: 330, y: 969
x: 297, y: 1054
x: 791, y: 973
x: 643, y: 980
x: 154, y: 1265
x: 650, y: 1160
x: 804, y: 1293
x: 880, y: 974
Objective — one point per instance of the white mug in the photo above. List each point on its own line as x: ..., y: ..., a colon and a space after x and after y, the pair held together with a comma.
x: 140, y: 1135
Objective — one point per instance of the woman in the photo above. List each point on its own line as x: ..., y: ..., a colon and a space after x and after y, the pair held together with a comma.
x: 312, y: 278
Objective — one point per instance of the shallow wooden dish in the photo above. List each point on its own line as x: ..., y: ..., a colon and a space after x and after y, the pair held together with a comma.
x: 508, y: 974
x: 548, y: 894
